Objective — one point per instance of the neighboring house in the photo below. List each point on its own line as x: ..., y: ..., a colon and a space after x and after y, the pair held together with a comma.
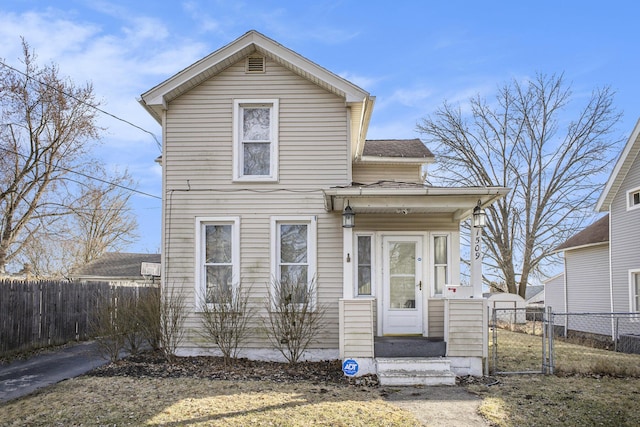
x: 602, y: 262
x: 263, y: 151
x: 121, y: 269
x: 534, y: 296
x: 554, y: 294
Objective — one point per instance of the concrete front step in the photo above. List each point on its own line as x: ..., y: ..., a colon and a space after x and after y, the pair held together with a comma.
x: 407, y: 371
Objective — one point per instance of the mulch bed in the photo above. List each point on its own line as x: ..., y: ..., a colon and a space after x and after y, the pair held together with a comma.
x: 154, y: 365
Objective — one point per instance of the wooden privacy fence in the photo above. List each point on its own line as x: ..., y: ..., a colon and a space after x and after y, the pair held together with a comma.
x: 37, y: 314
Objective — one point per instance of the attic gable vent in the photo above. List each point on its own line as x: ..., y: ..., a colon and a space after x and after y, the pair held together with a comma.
x: 255, y: 64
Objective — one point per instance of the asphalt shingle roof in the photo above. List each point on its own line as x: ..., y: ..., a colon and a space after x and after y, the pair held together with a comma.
x: 404, y: 148
x: 598, y: 232
x: 116, y: 265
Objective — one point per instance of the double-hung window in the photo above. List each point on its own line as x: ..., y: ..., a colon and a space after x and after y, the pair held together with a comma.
x: 633, y: 199
x: 440, y: 251
x: 634, y: 291
x: 294, y: 256
x: 255, y: 140
x: 218, y: 253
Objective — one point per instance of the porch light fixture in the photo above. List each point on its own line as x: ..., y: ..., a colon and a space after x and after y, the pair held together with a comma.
x: 479, y: 216
x: 348, y: 217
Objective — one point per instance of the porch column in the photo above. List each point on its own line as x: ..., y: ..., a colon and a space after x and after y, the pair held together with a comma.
x: 476, y: 261
x: 347, y: 263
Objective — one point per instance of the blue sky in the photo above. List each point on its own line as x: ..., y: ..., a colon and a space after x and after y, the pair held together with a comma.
x: 411, y: 55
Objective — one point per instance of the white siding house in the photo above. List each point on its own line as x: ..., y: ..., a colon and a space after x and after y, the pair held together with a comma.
x: 602, y: 262
x: 259, y: 145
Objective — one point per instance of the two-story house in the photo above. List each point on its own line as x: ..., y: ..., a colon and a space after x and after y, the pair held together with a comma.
x: 602, y: 262
x: 263, y: 152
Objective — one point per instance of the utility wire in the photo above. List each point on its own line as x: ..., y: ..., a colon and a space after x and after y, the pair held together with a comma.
x: 104, y: 181
x: 158, y: 143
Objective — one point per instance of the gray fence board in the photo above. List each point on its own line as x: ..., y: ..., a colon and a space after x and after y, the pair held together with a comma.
x: 37, y: 314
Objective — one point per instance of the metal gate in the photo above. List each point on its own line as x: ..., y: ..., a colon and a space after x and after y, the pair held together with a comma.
x: 520, y: 341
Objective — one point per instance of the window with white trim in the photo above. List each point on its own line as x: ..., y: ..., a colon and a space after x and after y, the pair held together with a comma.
x: 633, y: 198
x: 634, y: 290
x: 294, y: 251
x: 218, y: 256
x: 363, y: 262
x: 441, y: 267
x: 255, y: 140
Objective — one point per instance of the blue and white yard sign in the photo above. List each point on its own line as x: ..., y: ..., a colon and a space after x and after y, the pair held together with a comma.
x: 350, y: 367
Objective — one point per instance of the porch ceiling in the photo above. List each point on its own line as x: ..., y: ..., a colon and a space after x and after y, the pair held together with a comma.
x: 413, y: 199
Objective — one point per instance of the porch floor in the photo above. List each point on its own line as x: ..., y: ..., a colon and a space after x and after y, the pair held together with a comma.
x: 409, y: 347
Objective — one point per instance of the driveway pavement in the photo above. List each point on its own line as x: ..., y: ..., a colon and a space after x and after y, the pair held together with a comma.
x: 23, y: 377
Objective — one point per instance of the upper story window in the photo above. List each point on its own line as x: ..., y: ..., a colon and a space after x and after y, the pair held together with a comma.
x: 255, y: 140
x: 633, y: 198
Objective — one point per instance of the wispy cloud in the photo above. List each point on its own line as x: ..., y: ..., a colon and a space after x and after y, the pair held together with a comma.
x: 365, y: 82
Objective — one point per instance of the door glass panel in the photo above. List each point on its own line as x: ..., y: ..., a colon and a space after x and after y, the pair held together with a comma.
x: 402, y: 275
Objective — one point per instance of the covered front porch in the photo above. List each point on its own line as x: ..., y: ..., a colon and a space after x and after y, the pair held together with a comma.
x: 401, y: 276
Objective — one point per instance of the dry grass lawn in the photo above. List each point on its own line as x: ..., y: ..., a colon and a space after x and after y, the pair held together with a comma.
x: 593, y: 387
x: 123, y: 401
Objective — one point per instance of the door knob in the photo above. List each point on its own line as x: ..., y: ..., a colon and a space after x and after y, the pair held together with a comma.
x: 420, y: 284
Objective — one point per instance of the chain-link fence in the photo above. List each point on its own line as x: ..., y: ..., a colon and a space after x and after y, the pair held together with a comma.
x: 583, y: 337
x: 516, y: 342
x: 533, y: 341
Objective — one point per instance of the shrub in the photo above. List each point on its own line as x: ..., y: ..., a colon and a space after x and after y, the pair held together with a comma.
x: 107, y: 326
x: 294, y: 318
x: 148, y: 315
x: 225, y: 315
x: 173, y: 313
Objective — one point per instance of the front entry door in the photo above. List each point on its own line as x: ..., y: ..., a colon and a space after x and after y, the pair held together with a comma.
x: 402, y: 285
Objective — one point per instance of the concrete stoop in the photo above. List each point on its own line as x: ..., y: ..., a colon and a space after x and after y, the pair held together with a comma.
x: 408, y: 371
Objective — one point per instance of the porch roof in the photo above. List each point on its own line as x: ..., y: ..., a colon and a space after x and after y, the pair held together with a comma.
x: 405, y: 198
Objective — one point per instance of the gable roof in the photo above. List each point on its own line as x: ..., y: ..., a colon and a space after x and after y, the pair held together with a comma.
x: 626, y: 159
x: 116, y: 265
x: 404, y: 150
x: 595, y: 234
x: 534, y: 293
x: 156, y: 99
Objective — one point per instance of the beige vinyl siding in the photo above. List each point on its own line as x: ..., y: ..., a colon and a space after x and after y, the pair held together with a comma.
x: 357, y: 329
x: 312, y: 131
x: 624, y: 239
x: 370, y: 173
x: 198, y: 161
x: 435, y: 318
x: 467, y: 328
x: 255, y: 256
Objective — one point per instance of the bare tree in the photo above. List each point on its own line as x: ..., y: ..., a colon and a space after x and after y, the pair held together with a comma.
x: 525, y: 141
x: 102, y: 218
x: 98, y: 219
x: 46, y: 126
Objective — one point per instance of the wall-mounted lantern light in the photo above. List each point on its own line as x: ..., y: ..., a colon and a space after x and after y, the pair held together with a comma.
x: 479, y: 216
x: 348, y: 217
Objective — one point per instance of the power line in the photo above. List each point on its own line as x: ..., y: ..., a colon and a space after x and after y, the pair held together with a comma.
x: 104, y: 181
x: 158, y: 143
